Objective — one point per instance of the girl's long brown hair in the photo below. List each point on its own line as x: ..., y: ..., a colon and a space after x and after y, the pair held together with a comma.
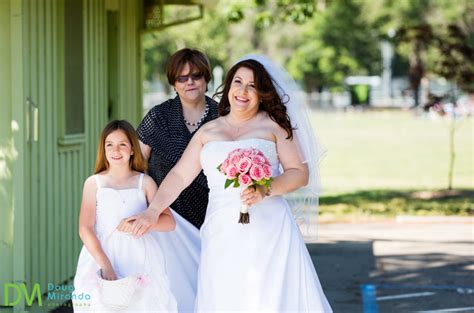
x: 136, y: 163
x: 270, y: 101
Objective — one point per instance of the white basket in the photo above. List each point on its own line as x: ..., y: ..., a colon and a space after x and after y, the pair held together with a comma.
x: 117, y: 294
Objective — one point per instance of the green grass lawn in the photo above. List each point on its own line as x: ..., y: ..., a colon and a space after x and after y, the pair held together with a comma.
x: 376, y: 160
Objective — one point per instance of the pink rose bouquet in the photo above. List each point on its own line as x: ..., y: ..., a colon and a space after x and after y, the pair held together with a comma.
x: 244, y: 168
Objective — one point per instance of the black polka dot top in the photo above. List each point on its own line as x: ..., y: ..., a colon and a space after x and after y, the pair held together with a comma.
x: 164, y: 130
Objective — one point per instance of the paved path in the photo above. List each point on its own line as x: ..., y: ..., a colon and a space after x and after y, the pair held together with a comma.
x: 413, y: 258
x: 417, y: 260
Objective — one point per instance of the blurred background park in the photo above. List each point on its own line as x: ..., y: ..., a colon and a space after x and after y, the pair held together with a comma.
x: 390, y: 85
x: 390, y: 88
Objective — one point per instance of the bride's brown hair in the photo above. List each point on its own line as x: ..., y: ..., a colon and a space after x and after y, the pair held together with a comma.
x: 136, y: 162
x: 270, y: 101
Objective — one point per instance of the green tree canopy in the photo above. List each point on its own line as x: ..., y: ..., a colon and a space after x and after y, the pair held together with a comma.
x: 319, y: 41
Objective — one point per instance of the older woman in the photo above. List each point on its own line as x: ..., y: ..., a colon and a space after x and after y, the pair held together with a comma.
x: 168, y: 127
x: 263, y: 265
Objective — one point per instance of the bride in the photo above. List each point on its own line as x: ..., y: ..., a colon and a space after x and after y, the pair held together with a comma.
x: 263, y: 265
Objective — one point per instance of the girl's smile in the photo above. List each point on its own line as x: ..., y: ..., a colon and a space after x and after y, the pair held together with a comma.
x: 118, y: 148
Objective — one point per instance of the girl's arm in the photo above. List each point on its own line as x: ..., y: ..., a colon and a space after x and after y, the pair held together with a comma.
x: 87, y: 232
x: 180, y: 176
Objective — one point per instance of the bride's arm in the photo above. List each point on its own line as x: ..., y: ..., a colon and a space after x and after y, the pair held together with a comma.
x: 295, y: 172
x: 180, y: 177
x: 166, y: 220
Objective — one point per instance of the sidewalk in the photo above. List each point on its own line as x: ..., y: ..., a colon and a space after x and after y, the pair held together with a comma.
x: 410, y: 257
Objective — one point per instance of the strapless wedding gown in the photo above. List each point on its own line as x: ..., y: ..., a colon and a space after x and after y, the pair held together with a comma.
x: 263, y: 266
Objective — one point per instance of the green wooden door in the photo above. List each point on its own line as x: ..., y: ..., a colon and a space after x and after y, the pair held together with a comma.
x: 13, y: 131
x: 65, y: 95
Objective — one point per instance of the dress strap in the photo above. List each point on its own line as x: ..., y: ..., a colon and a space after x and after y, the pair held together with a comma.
x: 140, y: 181
x: 97, y: 181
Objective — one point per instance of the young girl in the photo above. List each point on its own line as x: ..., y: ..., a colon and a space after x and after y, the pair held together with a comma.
x: 118, y: 190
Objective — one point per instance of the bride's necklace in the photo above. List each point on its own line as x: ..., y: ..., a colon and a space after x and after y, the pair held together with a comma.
x: 238, y: 128
x: 198, y: 123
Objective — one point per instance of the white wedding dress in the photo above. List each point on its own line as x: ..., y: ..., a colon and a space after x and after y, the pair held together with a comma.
x: 263, y: 266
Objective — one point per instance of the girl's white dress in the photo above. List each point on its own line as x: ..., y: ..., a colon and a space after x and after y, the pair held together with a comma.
x: 263, y: 266
x: 167, y: 261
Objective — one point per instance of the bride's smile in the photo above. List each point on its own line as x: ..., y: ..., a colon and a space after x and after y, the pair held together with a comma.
x: 242, y: 94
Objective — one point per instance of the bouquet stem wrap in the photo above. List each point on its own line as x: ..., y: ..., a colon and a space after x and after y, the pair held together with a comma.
x: 244, y: 214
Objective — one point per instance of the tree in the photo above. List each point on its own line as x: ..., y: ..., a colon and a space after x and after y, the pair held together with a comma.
x: 449, y: 54
x: 415, y: 23
x: 335, y: 43
x: 320, y: 42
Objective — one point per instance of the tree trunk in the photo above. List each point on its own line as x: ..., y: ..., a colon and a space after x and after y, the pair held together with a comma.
x: 452, y: 154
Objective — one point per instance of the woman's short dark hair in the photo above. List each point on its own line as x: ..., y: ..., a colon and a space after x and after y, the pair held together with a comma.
x: 197, y: 62
x: 270, y: 100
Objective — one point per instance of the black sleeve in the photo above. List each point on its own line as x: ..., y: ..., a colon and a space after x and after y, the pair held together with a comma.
x: 151, y: 124
x: 148, y: 127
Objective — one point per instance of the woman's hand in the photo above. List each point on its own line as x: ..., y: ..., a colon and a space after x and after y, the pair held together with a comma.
x: 126, y: 225
x: 108, y: 273
x: 142, y: 223
x: 253, y: 194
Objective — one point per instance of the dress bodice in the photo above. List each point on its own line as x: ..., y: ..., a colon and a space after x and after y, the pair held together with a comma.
x: 215, y: 152
x: 113, y: 205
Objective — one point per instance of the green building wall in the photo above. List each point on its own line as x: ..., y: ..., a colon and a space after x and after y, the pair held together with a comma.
x: 6, y: 147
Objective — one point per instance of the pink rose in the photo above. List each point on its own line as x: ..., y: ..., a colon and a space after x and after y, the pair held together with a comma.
x: 267, y: 171
x: 256, y: 172
x: 245, y: 180
x: 236, y: 152
x: 234, y: 159
x: 224, y: 166
x: 234, y: 156
x: 257, y: 159
x: 231, y: 172
x: 143, y: 281
x: 247, y: 152
x: 255, y: 151
x: 267, y: 161
x: 244, y: 165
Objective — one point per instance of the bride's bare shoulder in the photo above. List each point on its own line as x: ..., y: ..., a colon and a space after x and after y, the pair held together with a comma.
x: 273, y: 127
x: 210, y: 129
x: 212, y: 124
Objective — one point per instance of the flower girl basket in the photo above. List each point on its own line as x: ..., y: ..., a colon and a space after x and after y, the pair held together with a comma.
x: 118, y: 294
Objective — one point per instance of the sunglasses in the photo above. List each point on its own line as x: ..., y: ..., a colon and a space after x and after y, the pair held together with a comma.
x: 185, y: 78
